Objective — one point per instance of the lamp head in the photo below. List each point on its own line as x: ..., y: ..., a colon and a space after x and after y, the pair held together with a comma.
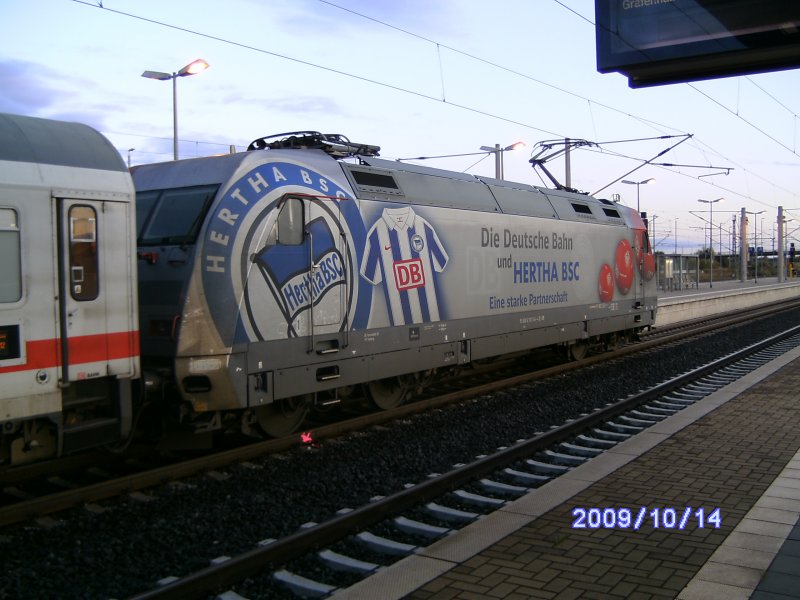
x: 161, y: 76
x: 516, y: 145
x: 193, y: 68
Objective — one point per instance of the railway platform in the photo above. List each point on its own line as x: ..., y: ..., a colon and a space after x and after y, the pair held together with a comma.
x: 714, y: 489
x: 722, y: 296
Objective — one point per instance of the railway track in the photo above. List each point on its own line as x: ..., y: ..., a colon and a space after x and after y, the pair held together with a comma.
x: 25, y: 501
x: 476, y: 488
x: 322, y: 492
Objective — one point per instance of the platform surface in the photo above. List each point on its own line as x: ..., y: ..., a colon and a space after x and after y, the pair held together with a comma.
x: 736, y: 450
x: 706, y: 289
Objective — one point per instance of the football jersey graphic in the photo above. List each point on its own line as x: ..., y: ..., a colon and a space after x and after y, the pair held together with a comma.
x: 404, y: 253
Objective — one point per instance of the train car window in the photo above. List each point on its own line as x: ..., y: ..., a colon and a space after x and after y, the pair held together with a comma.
x: 581, y: 209
x: 83, y: 260
x: 177, y: 215
x: 11, y: 263
x: 374, y: 179
x: 144, y: 205
x: 290, y: 222
x: 611, y: 212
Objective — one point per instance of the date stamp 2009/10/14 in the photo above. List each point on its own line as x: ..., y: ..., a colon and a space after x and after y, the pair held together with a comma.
x: 658, y: 518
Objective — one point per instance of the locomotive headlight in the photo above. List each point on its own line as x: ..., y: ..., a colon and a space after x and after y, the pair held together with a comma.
x: 194, y: 384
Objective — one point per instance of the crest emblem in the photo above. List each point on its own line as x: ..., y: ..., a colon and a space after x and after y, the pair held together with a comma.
x: 258, y: 289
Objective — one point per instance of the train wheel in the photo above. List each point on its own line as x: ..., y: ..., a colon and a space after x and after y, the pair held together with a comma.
x: 387, y: 393
x: 283, y: 417
x: 578, y: 350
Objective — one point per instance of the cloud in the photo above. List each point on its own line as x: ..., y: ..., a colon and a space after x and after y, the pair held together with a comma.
x: 27, y: 87
x: 36, y: 90
x: 307, y: 105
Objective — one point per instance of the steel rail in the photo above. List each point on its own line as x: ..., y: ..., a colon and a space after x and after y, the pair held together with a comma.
x: 223, y: 575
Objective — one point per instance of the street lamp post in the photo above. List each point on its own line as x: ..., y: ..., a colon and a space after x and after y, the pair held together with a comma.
x: 498, y: 155
x: 755, y: 247
x: 193, y: 68
x: 637, y: 184
x: 710, y: 238
x: 676, y: 236
x: 784, y: 226
x: 733, y: 240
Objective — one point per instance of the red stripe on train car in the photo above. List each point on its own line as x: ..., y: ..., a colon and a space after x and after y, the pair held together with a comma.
x: 45, y: 354
x: 104, y: 346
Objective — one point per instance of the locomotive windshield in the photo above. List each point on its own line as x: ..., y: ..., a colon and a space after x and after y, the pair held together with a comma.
x: 144, y: 204
x: 172, y: 216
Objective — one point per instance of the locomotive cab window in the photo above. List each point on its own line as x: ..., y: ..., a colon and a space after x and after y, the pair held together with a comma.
x: 175, y: 216
x: 290, y: 222
x: 11, y: 263
x: 144, y: 205
x: 83, y: 259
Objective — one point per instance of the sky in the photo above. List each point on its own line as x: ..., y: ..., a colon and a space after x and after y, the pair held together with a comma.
x: 419, y: 78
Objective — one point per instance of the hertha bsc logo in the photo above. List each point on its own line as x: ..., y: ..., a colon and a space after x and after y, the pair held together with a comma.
x: 260, y: 287
x: 298, y: 285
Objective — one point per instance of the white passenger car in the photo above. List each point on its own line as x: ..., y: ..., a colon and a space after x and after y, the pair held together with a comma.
x: 69, y: 343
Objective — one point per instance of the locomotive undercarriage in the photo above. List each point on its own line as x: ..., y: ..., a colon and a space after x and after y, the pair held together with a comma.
x: 580, y: 349
x: 285, y: 416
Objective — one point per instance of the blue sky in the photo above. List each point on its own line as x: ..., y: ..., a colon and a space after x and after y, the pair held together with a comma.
x: 418, y: 78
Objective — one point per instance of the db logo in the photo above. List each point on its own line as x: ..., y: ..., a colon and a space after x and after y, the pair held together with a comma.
x: 409, y: 274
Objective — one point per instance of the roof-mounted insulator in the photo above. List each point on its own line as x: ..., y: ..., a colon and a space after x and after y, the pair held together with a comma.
x: 334, y: 144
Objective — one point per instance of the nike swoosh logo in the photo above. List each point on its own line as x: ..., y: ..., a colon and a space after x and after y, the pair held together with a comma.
x: 387, y: 247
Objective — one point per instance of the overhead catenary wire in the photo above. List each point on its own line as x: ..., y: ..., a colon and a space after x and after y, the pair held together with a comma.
x: 364, y: 79
x: 439, y: 45
x: 401, y: 89
x: 698, y: 90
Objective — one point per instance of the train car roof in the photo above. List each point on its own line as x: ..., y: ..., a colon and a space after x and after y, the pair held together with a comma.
x: 181, y: 173
x: 378, y: 179
x: 44, y: 141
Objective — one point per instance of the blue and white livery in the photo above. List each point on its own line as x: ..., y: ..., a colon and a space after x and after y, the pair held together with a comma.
x: 305, y: 268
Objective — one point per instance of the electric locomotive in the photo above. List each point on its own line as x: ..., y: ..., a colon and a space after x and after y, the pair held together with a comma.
x: 307, y: 267
x: 69, y: 345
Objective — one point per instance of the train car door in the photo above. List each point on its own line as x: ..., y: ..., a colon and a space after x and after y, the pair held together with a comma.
x: 306, y: 267
x: 95, y: 289
x: 327, y: 254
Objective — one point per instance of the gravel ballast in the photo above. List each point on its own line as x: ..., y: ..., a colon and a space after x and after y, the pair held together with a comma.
x: 179, y: 528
